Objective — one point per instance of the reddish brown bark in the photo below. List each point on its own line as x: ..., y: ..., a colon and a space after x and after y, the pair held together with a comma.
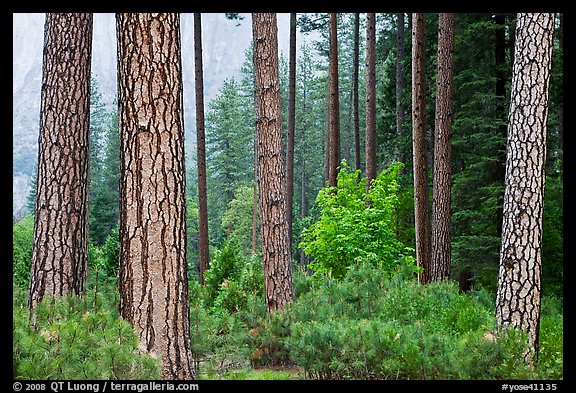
x: 60, y: 250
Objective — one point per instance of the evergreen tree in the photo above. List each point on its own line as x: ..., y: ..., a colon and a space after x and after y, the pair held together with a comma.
x: 400, y: 82
x: 441, y: 218
x: 421, y: 221
x: 519, y: 278
x: 60, y: 253
x: 201, y: 149
x: 478, y: 146
x: 333, y: 151
x: 103, y: 177
x: 153, y: 277
x: 229, y: 149
x: 105, y: 205
x: 291, y: 126
x: 370, y: 99
x: 31, y: 198
x: 276, y: 255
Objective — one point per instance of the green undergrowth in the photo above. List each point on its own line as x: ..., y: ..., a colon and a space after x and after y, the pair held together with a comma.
x: 366, y: 325
x: 363, y: 326
x: 77, y: 337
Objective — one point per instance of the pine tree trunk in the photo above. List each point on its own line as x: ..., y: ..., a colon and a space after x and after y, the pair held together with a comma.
x: 355, y: 76
x: 153, y: 277
x: 201, y: 149
x: 60, y: 250
x: 441, y: 218
x: 422, y: 232
x: 400, y: 82
x: 370, y: 98
x: 291, y: 123
x: 519, y: 279
x: 334, y: 104
x: 276, y: 254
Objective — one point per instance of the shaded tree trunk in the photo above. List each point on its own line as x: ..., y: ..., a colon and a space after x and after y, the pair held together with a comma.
x: 355, y: 77
x: 519, y: 279
x: 276, y: 253
x: 370, y: 99
x: 201, y: 151
x: 291, y: 123
x: 334, y: 104
x: 60, y: 251
x: 400, y: 82
x: 421, y: 222
x: 153, y: 277
x: 441, y: 217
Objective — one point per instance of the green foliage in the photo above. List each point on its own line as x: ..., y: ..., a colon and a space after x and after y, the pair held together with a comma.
x: 551, y: 354
x: 229, y: 150
x: 72, y: 339
x: 111, y: 253
x: 224, y: 268
x: 104, y: 168
x: 225, y: 310
x: 22, y: 243
x: 367, y: 326
x: 553, y: 237
x: 348, y: 231
x: 237, y: 220
x: 105, y: 259
x: 104, y: 184
x: 31, y: 197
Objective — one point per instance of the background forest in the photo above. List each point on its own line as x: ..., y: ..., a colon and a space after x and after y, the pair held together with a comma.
x: 358, y: 312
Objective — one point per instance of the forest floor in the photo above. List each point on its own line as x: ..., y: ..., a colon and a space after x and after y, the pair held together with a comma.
x: 249, y: 373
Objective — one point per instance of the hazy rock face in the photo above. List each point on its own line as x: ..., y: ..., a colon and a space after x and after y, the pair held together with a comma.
x: 224, y: 44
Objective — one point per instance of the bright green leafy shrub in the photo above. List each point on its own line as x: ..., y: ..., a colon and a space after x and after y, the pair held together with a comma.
x: 348, y: 231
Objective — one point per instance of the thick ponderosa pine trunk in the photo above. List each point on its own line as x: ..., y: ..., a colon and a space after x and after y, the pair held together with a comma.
x: 60, y: 250
x: 370, y: 99
x: 334, y: 104
x: 201, y: 150
x: 519, y: 279
x: 291, y: 124
x: 276, y: 255
x: 421, y: 222
x: 441, y: 216
x: 153, y: 276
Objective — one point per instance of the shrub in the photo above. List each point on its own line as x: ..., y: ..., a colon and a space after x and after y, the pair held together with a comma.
x: 347, y: 231
x: 22, y: 243
x: 368, y: 326
x: 72, y: 340
x: 551, y: 355
x: 224, y: 267
x: 111, y: 253
x: 237, y: 220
